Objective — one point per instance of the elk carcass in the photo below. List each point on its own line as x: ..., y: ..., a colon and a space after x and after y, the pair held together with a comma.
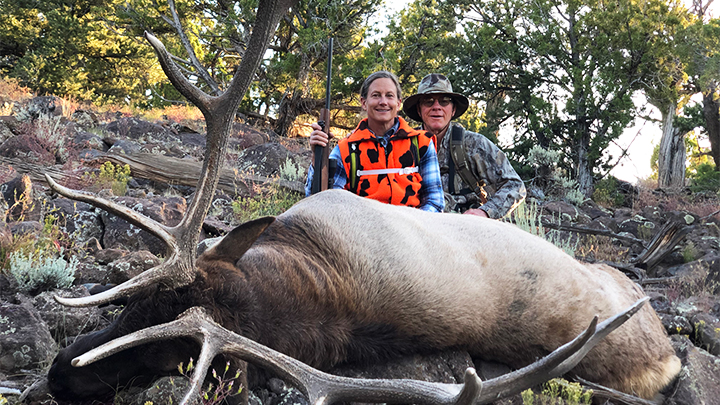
x: 339, y: 278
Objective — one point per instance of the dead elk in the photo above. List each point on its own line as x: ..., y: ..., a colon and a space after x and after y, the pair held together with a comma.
x: 338, y: 278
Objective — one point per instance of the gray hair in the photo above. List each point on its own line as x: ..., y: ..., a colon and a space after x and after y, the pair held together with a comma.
x: 380, y: 74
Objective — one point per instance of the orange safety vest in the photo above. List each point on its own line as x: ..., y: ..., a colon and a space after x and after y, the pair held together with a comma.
x: 388, y: 174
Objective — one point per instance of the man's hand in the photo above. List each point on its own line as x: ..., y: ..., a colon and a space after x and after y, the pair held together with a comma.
x: 318, y: 137
x: 476, y: 211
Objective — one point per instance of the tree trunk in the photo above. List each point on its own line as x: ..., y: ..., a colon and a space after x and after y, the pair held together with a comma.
x: 711, y: 111
x: 671, y: 159
x: 584, y: 171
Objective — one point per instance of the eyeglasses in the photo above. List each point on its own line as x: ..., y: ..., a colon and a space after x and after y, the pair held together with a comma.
x: 430, y: 101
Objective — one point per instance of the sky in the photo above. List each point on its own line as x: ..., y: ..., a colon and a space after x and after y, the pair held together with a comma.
x: 639, y: 140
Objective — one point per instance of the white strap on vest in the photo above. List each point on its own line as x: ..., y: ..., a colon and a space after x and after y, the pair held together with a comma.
x: 401, y: 170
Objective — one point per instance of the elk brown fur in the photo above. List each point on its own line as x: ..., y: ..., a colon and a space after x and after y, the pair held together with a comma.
x: 338, y: 278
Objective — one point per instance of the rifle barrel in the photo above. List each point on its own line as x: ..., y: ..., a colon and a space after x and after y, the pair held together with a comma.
x: 320, y: 164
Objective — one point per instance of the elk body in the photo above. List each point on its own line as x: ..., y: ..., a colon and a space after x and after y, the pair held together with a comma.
x: 338, y: 278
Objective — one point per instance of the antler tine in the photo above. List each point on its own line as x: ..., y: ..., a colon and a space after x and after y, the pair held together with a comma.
x: 179, y: 81
x: 112, y: 207
x: 560, y: 361
x: 169, y: 273
x: 173, y: 272
x: 322, y: 388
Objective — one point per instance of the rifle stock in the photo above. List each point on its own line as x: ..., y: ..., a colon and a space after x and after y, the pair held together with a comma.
x: 321, y: 154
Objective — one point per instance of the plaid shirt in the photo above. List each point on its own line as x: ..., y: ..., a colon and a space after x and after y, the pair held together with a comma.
x: 431, y: 193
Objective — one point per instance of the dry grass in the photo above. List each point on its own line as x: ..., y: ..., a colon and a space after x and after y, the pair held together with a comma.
x: 185, y: 115
x: 12, y: 92
x: 601, y: 248
x: 701, y: 205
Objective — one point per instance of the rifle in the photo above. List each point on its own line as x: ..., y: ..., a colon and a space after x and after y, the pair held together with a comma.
x: 321, y: 154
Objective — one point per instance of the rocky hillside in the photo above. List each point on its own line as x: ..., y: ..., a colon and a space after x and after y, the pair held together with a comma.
x: 670, y: 244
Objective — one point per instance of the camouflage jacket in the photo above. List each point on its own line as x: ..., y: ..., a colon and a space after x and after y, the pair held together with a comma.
x: 503, y: 186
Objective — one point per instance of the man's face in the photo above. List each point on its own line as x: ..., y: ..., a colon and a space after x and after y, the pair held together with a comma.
x: 436, y: 112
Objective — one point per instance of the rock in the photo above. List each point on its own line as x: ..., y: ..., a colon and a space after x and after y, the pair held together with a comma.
x: 43, y: 105
x: 25, y: 341
x: 66, y: 323
x: 447, y: 367
x: 638, y: 227
x: 699, y: 379
x: 6, y: 130
x: 166, y: 390
x: 130, y: 265
x: 23, y: 204
x: 560, y: 210
x: 85, y: 118
x: 120, y: 234
x: 25, y: 227
x: 79, y: 220
x: 594, y: 211
x: 193, y: 140
x: 604, y: 223
x: 244, y: 136
x: 107, y: 256
x: 707, y: 332
x: 266, y: 159
x: 675, y: 324
x: 140, y: 131
x: 123, y: 147
x: 89, y: 141
x: 90, y: 273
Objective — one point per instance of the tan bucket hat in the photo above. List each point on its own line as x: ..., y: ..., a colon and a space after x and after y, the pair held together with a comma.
x: 434, y: 83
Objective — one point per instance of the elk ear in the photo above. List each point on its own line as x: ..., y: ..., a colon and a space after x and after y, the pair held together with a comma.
x: 239, y: 240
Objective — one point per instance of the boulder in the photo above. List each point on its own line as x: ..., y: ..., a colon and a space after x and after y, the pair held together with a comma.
x: 120, y: 234
x: 79, y: 220
x: 268, y: 160
x: 25, y: 341
x: 66, y: 323
x: 130, y: 265
x: 140, y: 131
x: 699, y: 379
x: 28, y: 148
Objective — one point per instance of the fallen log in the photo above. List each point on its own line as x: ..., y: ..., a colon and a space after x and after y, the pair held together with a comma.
x: 161, y: 169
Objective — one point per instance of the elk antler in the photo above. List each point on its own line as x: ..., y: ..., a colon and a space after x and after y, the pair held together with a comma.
x: 322, y: 388
x: 169, y: 272
x: 219, y: 112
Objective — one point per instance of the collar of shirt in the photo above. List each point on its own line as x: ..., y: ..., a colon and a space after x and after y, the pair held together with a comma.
x: 390, y: 132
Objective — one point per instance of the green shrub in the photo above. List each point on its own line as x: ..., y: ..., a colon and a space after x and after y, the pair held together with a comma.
x: 527, y: 217
x: 689, y: 252
x: 111, y: 176
x: 607, y: 194
x: 116, y: 176
x: 37, y: 274
x: 705, y: 178
x: 558, y: 392
x: 273, y: 201
x: 291, y: 171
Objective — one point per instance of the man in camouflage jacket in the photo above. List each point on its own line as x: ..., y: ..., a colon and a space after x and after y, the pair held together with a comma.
x: 498, y: 189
